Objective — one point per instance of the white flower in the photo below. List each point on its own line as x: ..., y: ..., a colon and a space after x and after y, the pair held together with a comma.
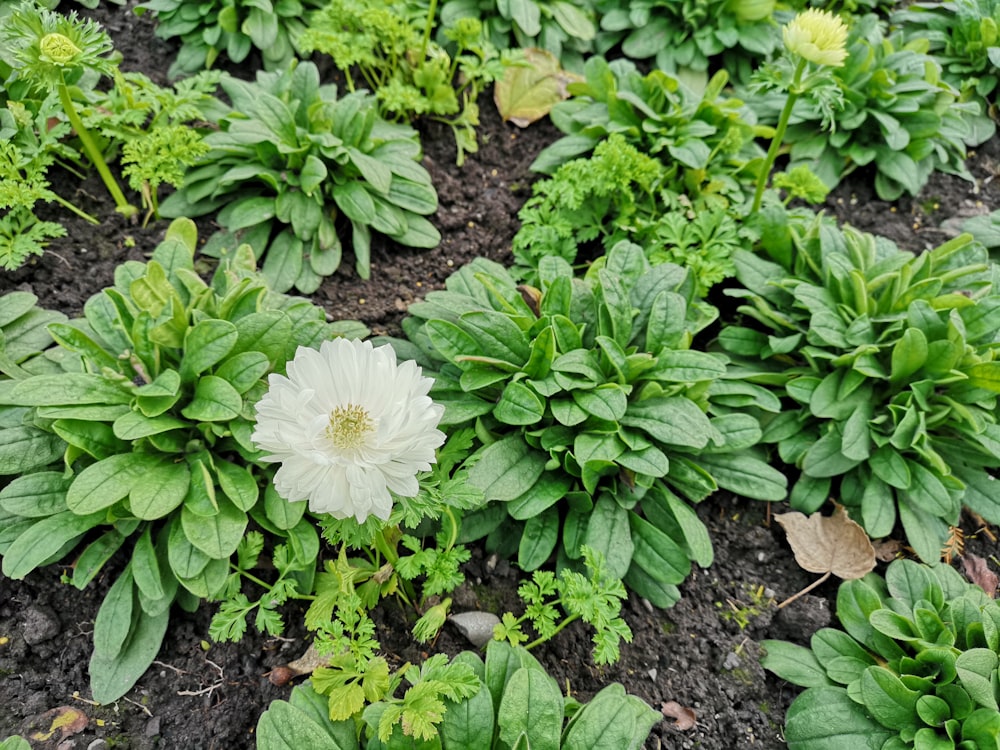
x: 818, y: 36
x: 348, y: 425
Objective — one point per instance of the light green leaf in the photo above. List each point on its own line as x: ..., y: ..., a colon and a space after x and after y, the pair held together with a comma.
x: 214, y: 400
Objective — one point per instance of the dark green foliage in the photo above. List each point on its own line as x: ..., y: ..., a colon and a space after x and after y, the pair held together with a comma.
x: 293, y: 167
x: 208, y: 28
x: 916, y: 668
x: 594, y: 414
x: 886, y: 365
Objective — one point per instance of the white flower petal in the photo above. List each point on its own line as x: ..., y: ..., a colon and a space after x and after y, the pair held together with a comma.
x: 349, y: 426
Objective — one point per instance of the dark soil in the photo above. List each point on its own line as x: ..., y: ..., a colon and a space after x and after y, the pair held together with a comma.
x: 702, y: 653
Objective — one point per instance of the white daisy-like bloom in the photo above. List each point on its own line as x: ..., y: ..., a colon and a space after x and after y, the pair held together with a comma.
x: 348, y: 424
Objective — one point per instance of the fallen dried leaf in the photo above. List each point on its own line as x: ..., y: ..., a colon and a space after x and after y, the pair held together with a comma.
x: 887, y: 550
x: 684, y: 718
x: 527, y: 93
x: 64, y: 719
x: 829, y: 544
x: 978, y: 571
x: 305, y: 664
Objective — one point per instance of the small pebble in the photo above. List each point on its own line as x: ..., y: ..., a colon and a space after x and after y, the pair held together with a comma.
x: 477, y: 627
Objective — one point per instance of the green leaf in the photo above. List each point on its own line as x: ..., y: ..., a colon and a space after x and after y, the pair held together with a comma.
x: 519, y: 405
x: 217, y: 535
x: 887, y: 699
x: 160, y: 490
x: 355, y: 201
x: 927, y: 492
x: 608, y: 401
x: 538, y: 539
x: 686, y: 366
x: 656, y: 553
x: 247, y: 212
x: 745, y: 474
x: 793, y: 663
x: 889, y: 466
x: 206, y: 343
x: 214, y: 400
x: 285, y: 727
x: 673, y: 420
x: 68, y: 388
x: 532, y: 705
x: 45, y: 538
x: 24, y: 448
x: 609, y: 532
x: 825, y: 718
x: 977, y: 669
x: 695, y: 535
x: 825, y: 457
x: 134, y: 425
x: 611, y: 721
x: 36, y: 495
x: 146, y: 567
x: 238, y: 483
x: 111, y: 676
x: 283, y: 265
x: 283, y: 514
x: 104, y: 483
x: 550, y: 488
x: 469, y: 723
x: 985, y: 375
x: 243, y: 370
x: 908, y: 355
x: 507, y: 469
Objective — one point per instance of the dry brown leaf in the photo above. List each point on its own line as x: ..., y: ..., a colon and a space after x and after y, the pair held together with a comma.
x: 829, y: 544
x: 304, y: 665
x: 63, y: 719
x: 684, y: 718
x: 887, y: 550
x: 978, y: 571
x: 528, y: 92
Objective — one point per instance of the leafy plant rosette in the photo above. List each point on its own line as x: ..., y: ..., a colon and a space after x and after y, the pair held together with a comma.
x: 893, y: 110
x: 916, y: 666
x: 703, y: 138
x: 154, y: 419
x: 410, y: 75
x: 594, y: 416
x: 293, y: 168
x: 234, y: 27
x: 508, y: 700
x: 565, y: 29
x: 886, y: 366
x: 690, y: 33
x: 964, y: 35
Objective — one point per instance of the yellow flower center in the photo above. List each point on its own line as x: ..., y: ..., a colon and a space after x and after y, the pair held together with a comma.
x: 58, y: 48
x: 349, y: 426
x: 818, y: 36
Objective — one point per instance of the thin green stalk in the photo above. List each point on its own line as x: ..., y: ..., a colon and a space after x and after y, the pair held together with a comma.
x: 79, y: 212
x: 554, y: 633
x: 779, y: 136
x: 431, y: 12
x: 121, y: 203
x: 265, y: 585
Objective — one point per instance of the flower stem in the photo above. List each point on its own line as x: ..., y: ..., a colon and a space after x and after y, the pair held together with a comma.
x: 122, y: 205
x: 554, y: 633
x: 79, y: 212
x: 779, y: 136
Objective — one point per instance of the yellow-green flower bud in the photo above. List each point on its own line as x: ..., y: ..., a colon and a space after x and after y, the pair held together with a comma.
x: 818, y: 36
x: 751, y: 10
x: 58, y: 49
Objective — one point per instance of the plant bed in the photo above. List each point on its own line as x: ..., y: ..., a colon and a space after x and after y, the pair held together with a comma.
x: 702, y: 654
